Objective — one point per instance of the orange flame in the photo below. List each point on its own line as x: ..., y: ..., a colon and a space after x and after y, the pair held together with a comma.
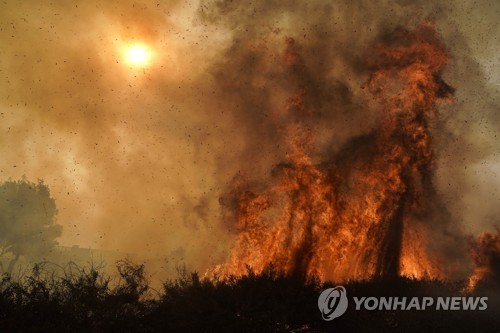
x: 354, y: 215
x: 485, y: 253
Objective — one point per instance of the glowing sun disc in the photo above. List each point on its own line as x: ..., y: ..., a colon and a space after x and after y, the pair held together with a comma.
x: 137, y: 55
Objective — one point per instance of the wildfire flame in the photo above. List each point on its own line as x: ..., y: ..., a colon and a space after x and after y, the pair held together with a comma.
x: 485, y: 253
x: 355, y: 215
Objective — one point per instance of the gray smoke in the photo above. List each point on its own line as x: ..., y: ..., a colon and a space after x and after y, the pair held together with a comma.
x: 137, y: 160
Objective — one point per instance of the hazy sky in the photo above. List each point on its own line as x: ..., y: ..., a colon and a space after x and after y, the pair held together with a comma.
x: 137, y: 157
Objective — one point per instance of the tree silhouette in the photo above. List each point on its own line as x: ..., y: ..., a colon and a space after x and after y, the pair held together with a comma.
x: 27, y: 222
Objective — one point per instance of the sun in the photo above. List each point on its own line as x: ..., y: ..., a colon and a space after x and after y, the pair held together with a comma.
x: 138, y: 55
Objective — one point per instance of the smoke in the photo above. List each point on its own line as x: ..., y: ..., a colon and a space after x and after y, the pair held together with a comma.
x: 327, y: 53
x: 121, y: 149
x: 137, y: 159
x: 485, y: 253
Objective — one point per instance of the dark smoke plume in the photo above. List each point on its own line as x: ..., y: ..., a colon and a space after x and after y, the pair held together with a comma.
x: 137, y: 160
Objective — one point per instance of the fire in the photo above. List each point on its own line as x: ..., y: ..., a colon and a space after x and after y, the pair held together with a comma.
x: 356, y: 214
x: 485, y: 253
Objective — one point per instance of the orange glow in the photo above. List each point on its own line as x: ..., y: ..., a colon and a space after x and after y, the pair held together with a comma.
x: 354, y: 216
x: 485, y: 253
x: 138, y: 55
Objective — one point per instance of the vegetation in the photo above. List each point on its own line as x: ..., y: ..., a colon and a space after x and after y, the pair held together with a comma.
x: 27, y: 222
x: 84, y: 300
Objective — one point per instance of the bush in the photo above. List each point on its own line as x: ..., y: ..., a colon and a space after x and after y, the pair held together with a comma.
x: 85, y: 300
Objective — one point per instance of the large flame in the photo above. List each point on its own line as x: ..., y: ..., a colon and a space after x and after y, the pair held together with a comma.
x: 355, y: 215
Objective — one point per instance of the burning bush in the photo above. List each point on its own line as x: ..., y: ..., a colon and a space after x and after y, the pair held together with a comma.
x: 485, y: 253
x: 364, y: 211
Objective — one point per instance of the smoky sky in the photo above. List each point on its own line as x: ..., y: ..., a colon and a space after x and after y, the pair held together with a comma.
x: 138, y: 159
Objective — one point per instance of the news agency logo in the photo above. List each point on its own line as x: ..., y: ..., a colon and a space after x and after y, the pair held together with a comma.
x: 332, y: 303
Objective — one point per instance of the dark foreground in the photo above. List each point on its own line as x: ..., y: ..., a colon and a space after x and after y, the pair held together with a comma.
x: 85, y: 301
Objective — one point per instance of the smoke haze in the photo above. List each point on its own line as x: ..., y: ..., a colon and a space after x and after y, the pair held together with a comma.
x: 139, y: 160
